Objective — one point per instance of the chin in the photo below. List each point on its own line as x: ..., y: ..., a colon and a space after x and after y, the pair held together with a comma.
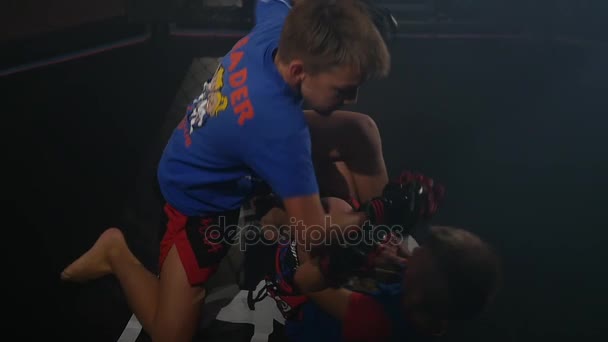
x: 324, y: 111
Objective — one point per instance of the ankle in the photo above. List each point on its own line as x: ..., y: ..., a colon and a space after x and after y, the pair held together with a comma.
x: 120, y: 254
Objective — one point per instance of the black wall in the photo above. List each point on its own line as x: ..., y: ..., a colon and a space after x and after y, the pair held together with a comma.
x: 76, y: 134
x: 517, y: 133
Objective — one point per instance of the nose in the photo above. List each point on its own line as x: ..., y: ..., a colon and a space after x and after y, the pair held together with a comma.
x: 352, y: 97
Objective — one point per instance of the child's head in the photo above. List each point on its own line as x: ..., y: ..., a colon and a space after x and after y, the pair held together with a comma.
x: 328, y: 49
x: 452, y: 276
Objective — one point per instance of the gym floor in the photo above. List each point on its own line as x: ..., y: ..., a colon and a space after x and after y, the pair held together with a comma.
x: 516, y: 130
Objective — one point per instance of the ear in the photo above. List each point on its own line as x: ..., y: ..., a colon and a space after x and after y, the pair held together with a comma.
x: 296, y: 70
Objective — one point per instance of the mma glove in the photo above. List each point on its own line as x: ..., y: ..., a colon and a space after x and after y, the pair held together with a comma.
x: 383, y: 19
x: 404, y: 202
x: 339, y: 263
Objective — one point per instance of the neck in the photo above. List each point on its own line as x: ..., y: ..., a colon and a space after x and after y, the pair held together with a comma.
x: 284, y: 71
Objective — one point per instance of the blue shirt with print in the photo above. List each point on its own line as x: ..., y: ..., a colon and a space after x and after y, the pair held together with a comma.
x: 246, y: 124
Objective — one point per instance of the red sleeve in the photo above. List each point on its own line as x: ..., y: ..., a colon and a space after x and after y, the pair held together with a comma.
x: 365, y: 320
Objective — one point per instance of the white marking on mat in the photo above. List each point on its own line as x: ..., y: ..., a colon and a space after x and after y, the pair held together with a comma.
x: 411, y: 244
x: 131, y: 331
x: 266, y: 312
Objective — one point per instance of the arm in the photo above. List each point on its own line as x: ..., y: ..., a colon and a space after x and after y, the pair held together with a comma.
x: 283, y: 159
x: 308, y: 276
x: 315, y: 223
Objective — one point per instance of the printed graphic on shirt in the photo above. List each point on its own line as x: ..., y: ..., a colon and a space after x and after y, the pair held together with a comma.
x: 210, y: 103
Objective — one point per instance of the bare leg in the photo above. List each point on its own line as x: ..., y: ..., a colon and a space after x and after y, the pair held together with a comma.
x: 168, y: 309
x: 347, y: 152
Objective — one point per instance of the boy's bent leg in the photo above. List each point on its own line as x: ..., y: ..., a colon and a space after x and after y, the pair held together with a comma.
x: 191, y: 251
x: 179, y: 303
x: 169, y: 308
x: 347, y: 151
x: 111, y: 255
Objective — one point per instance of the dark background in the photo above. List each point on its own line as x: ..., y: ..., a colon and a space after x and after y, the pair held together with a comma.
x: 515, y: 127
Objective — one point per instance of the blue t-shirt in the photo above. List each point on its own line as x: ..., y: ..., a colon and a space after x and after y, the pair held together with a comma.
x: 246, y: 124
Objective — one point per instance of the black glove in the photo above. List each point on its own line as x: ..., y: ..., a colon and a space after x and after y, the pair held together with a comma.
x: 405, y: 201
x: 340, y: 262
x: 383, y: 19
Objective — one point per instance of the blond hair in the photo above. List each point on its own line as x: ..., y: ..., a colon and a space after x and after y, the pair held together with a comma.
x: 325, y: 34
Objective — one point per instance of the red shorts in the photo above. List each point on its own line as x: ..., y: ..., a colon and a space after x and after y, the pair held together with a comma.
x: 201, y: 242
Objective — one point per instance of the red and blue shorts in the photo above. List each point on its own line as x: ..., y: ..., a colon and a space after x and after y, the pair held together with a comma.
x: 201, y: 242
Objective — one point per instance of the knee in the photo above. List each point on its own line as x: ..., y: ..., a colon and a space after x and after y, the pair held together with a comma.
x: 364, y: 128
x: 365, y: 122
x: 362, y: 141
x: 334, y: 205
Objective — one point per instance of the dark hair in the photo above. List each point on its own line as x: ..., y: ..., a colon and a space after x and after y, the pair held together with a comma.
x: 469, y: 268
x: 324, y: 34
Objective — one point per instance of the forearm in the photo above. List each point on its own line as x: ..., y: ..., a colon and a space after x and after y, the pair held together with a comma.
x: 337, y: 224
x: 278, y: 218
x: 308, y: 277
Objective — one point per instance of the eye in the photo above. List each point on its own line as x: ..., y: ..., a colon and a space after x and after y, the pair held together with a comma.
x: 348, y: 92
x: 341, y: 91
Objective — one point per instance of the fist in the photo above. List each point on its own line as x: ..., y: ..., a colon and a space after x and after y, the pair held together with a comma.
x: 416, y: 193
x: 406, y: 201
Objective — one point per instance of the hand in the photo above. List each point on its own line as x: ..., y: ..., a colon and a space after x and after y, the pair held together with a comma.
x: 338, y: 263
x: 272, y: 224
x: 392, y: 252
x: 430, y: 194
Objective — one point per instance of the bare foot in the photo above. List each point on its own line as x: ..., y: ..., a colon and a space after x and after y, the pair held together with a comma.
x: 95, y: 262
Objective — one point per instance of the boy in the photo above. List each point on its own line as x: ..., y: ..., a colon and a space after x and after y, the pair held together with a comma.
x: 247, y: 123
x: 451, y: 277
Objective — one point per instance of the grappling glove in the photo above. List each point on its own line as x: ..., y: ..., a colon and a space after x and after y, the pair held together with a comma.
x: 338, y: 263
x: 383, y: 19
x: 404, y: 202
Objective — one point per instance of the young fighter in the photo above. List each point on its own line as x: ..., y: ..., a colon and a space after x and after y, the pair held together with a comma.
x: 247, y: 123
x: 451, y: 277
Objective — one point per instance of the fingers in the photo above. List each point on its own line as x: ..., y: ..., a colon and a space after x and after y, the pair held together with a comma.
x: 395, y: 259
x: 391, y: 253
